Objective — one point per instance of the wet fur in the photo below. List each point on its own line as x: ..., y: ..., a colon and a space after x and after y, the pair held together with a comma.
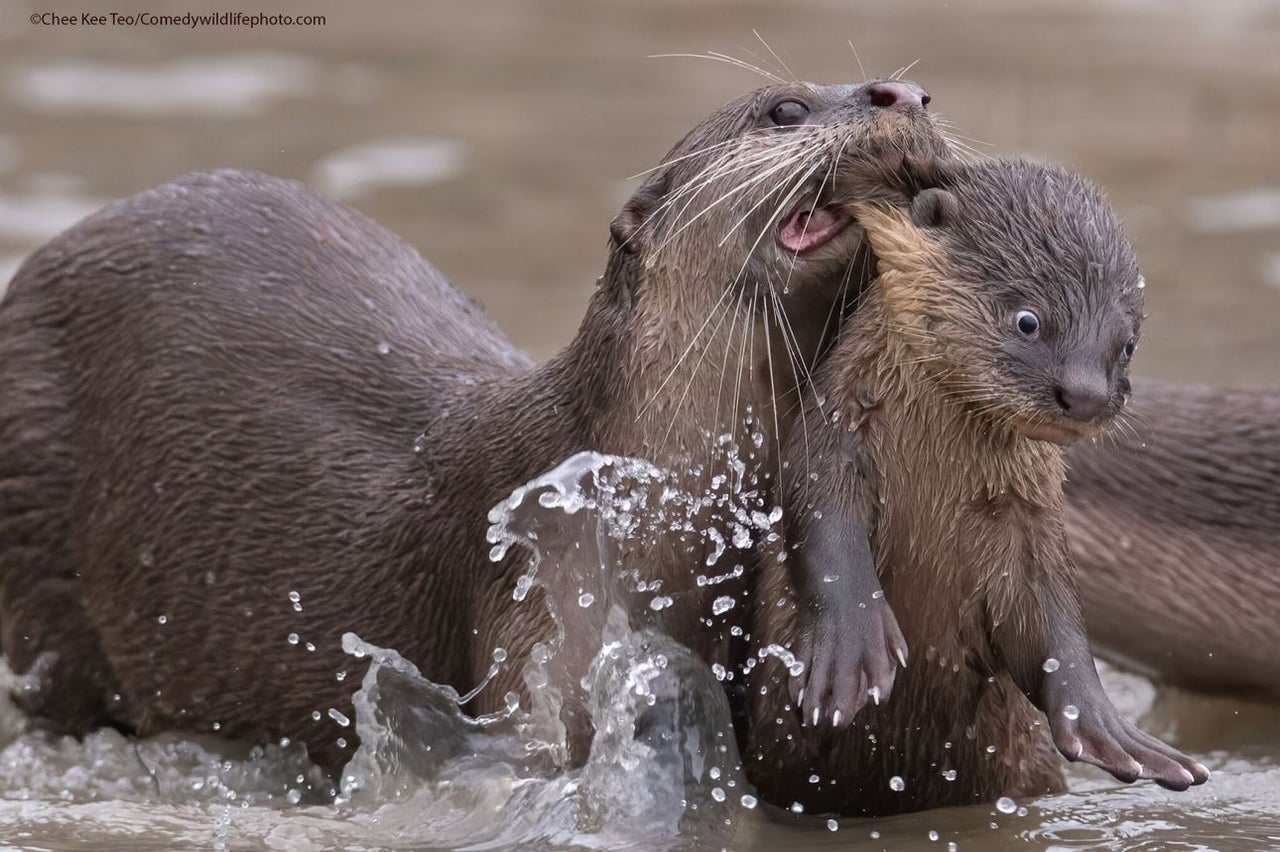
x: 212, y: 396
x: 965, y: 516
x: 1174, y: 523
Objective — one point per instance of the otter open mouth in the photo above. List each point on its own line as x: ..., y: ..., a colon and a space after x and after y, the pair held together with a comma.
x: 809, y: 226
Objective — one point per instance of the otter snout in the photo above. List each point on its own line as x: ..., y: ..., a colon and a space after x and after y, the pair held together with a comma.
x: 899, y: 93
x: 1083, y: 399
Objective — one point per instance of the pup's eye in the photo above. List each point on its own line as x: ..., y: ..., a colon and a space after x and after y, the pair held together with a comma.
x: 1028, y: 323
x: 788, y: 113
x: 1128, y: 349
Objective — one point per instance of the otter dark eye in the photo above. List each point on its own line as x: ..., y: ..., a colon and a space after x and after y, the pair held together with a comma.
x: 1128, y: 349
x: 788, y: 113
x: 1028, y: 323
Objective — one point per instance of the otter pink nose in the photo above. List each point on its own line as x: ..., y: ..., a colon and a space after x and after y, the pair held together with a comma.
x: 889, y: 93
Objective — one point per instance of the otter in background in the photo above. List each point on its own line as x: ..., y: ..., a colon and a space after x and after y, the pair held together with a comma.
x: 1174, y: 523
x: 1001, y: 325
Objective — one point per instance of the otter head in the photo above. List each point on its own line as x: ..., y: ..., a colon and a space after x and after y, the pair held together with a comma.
x: 754, y: 194
x: 1015, y: 286
x: 742, y: 240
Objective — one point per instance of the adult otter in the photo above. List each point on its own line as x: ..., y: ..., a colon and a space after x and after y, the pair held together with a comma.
x: 213, y: 393
x: 1007, y: 306
x: 1174, y: 523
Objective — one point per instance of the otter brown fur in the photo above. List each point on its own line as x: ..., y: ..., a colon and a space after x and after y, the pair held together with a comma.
x: 1006, y: 308
x: 1174, y: 522
x: 213, y: 393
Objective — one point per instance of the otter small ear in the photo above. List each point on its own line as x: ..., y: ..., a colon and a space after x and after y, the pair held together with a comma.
x: 934, y: 208
x: 626, y: 228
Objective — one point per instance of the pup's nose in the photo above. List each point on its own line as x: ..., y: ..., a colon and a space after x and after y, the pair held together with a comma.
x: 1082, y: 401
x: 904, y: 93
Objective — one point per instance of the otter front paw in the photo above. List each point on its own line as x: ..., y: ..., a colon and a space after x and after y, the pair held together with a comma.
x: 850, y: 653
x: 1094, y: 732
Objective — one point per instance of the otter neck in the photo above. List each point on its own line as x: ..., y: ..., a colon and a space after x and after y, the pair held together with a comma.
x: 930, y: 450
x: 690, y: 361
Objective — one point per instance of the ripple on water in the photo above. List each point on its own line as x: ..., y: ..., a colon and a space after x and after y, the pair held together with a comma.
x: 401, y: 162
x: 229, y: 84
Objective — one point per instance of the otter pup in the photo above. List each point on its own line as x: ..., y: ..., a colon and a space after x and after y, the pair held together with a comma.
x: 1001, y: 326
x: 240, y: 420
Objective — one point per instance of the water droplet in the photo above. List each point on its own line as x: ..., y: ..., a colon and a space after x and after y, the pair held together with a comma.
x: 832, y: 825
x: 586, y: 599
x: 660, y: 602
x: 814, y: 779
x: 877, y: 595
x: 1071, y: 711
x: 338, y: 717
x: 875, y: 835
x: 896, y: 784
x: 722, y: 604
x: 991, y: 749
x: 719, y: 671
x: 717, y: 794
x: 147, y: 558
x: 933, y: 835
x: 952, y: 846
x: 294, y: 795
x: 949, y: 774
x: 384, y: 348
x: 499, y: 655
x: 310, y: 646
x: 749, y: 801
x: 1050, y: 665
x: 1005, y: 805
x: 315, y: 715
x: 293, y: 638
x: 797, y: 808
x: 163, y: 619
x: 295, y: 597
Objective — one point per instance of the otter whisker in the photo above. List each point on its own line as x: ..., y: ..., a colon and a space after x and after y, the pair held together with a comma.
x: 858, y: 59
x: 720, y: 57
x: 743, y: 166
x: 693, y: 342
x: 773, y: 390
x: 785, y: 67
x: 747, y: 184
x: 902, y: 72
x: 696, y: 153
x: 693, y: 373
x: 814, y: 206
x: 738, y: 223
x: 725, y: 361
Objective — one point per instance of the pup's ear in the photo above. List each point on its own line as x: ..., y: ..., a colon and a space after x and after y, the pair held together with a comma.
x: 934, y: 208
x: 629, y: 228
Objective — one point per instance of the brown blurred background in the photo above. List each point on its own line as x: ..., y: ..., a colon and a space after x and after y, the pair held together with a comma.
x: 497, y: 137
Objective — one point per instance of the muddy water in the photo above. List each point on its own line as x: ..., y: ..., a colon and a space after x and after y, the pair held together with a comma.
x: 498, y: 137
